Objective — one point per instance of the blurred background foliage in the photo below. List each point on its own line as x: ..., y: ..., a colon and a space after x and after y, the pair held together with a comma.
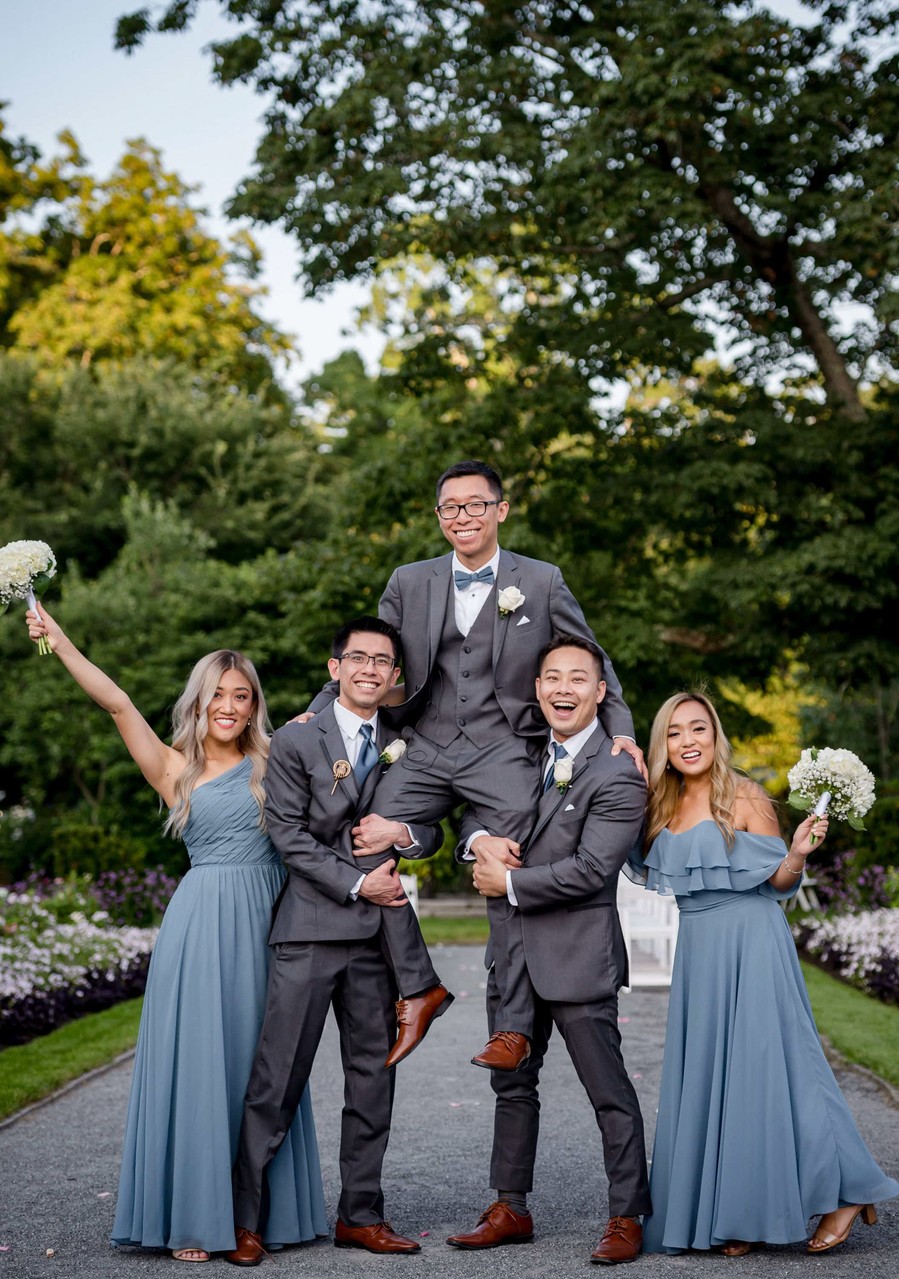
x: 646, y: 268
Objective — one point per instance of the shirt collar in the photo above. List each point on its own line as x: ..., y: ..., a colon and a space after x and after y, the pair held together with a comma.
x: 575, y: 744
x: 493, y: 563
x: 349, y: 722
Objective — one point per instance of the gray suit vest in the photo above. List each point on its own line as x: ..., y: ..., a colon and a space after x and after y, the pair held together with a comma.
x: 462, y: 694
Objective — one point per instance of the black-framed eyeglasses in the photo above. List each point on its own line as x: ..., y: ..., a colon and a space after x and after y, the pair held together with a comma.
x: 451, y: 510
x: 382, y: 662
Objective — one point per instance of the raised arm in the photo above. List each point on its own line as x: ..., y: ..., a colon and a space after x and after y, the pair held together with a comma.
x: 160, y: 765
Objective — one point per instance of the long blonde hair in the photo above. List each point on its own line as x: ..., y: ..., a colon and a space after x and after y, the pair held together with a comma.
x: 190, y: 726
x: 666, y: 782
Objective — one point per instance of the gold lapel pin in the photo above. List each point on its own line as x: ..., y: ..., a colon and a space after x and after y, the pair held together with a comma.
x: 340, y: 770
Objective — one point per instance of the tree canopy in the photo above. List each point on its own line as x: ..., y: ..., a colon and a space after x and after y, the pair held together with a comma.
x: 659, y: 178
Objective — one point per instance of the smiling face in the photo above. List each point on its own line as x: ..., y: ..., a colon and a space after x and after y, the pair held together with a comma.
x: 691, y: 739
x: 231, y: 707
x: 569, y: 690
x: 365, y: 684
x: 473, y: 538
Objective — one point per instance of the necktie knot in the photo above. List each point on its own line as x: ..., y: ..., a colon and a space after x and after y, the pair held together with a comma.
x: 464, y: 580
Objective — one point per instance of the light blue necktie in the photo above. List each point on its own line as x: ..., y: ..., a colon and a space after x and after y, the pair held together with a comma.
x: 367, y: 757
x: 464, y: 580
x: 560, y: 753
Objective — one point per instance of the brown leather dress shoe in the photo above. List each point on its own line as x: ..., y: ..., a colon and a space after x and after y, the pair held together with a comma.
x: 377, y: 1238
x: 249, y: 1250
x: 506, y: 1050
x: 622, y: 1241
x: 414, y: 1016
x: 499, y: 1225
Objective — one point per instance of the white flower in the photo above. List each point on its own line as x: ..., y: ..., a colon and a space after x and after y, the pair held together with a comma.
x: 562, y: 770
x: 393, y: 751
x: 509, y: 599
x: 839, y: 772
x: 20, y: 564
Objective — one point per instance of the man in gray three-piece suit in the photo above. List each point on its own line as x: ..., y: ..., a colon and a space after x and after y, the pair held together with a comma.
x: 327, y: 939
x: 472, y: 624
x: 561, y: 924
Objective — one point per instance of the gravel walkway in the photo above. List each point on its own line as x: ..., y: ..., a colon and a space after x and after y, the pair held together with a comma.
x: 58, y: 1168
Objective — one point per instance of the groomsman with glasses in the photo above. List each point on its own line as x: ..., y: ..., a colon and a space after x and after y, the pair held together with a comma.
x: 473, y: 623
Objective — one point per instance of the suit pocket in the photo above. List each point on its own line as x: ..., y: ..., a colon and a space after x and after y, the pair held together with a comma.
x: 420, y: 755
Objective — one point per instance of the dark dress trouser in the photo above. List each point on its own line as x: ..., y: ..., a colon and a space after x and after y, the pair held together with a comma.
x: 305, y: 979
x: 591, y: 1035
x: 501, y: 782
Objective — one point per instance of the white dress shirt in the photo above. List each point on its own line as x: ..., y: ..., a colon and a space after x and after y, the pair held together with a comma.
x: 470, y: 601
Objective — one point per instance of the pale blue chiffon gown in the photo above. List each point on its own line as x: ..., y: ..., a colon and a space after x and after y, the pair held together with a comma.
x: 202, y: 1013
x: 753, y: 1135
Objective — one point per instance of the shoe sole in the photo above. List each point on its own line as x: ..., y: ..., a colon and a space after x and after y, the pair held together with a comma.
x: 500, y: 1243
x: 616, y: 1261
x: 379, y: 1252
x: 509, y: 1070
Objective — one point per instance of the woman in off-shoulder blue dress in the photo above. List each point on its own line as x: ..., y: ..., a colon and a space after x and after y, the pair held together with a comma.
x: 206, y: 986
x: 753, y: 1134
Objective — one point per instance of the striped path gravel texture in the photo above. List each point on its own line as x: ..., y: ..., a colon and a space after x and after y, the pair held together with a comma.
x: 59, y: 1164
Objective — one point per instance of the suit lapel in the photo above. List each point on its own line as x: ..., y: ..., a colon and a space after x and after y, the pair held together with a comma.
x: 332, y: 745
x: 436, y: 603
x: 508, y: 574
x: 551, y: 802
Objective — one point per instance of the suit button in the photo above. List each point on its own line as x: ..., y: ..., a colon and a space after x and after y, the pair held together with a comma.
x: 465, y: 674
x: 466, y: 649
x: 462, y: 723
x: 463, y: 699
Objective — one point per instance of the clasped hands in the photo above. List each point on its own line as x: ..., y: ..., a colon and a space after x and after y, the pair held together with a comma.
x: 375, y: 834
x: 494, y: 855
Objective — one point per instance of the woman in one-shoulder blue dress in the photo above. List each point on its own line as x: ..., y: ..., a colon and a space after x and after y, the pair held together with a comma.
x: 753, y: 1134
x: 206, y: 986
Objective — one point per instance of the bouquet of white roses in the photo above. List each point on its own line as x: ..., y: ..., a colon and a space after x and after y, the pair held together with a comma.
x: 25, y: 571
x: 834, y: 779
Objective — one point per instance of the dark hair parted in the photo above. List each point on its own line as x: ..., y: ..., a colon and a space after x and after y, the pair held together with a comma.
x: 373, y: 626
x: 460, y: 469
x: 572, y: 641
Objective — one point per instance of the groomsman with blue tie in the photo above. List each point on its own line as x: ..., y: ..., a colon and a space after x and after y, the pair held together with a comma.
x: 327, y: 940
x: 472, y: 625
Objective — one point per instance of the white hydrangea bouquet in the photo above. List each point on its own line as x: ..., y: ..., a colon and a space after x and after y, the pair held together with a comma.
x: 832, y: 779
x: 25, y: 572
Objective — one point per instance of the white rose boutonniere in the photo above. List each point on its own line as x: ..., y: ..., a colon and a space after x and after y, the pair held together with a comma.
x: 562, y: 770
x: 393, y: 751
x: 508, y: 600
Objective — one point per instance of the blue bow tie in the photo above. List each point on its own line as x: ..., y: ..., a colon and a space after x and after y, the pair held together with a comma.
x: 464, y: 580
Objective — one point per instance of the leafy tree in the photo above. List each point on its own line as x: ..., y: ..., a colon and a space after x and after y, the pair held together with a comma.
x: 676, y: 174
x: 140, y: 276
x: 74, y: 441
x: 30, y: 258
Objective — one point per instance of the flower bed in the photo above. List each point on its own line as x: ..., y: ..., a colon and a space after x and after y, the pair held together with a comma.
x: 60, y: 957
x: 862, y: 948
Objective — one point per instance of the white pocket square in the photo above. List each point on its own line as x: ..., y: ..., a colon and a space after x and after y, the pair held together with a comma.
x: 568, y: 808
x: 522, y: 621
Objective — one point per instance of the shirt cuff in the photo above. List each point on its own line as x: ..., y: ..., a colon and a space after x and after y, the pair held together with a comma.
x: 354, y: 891
x: 623, y: 736
x: 404, y: 848
x: 468, y: 855
x: 510, y: 892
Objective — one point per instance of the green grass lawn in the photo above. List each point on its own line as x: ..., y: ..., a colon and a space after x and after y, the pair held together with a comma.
x: 31, y: 1071
x: 861, y: 1028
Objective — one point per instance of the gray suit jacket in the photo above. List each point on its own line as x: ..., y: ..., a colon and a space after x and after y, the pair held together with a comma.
x: 566, y: 887
x: 415, y: 602
x: 311, y: 828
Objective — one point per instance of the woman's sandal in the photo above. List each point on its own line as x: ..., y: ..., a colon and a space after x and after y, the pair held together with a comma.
x: 190, y: 1254
x: 823, y: 1242
x: 736, y: 1248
